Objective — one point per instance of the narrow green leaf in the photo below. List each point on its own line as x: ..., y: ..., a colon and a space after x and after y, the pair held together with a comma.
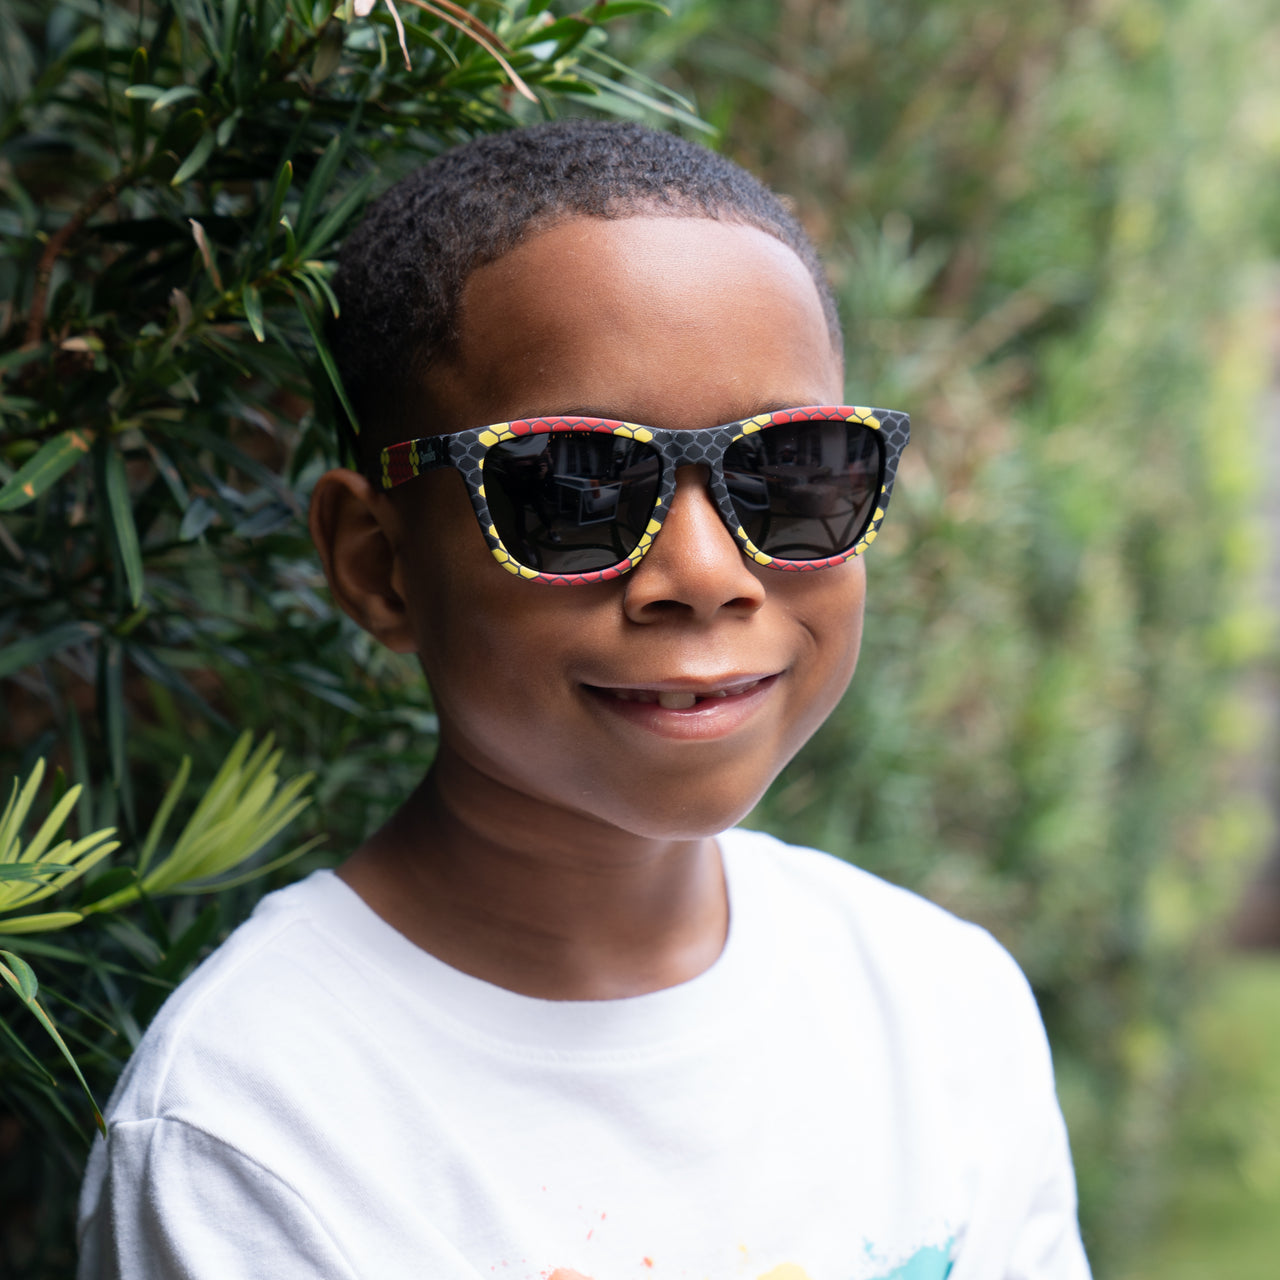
x: 126, y: 532
x: 16, y: 1041
x: 138, y: 74
x: 284, y: 179
x: 195, y: 161
x: 15, y: 812
x: 318, y: 185
x: 620, y: 8
x: 317, y: 273
x: 336, y: 219
x: 143, y: 92
x: 111, y: 705
x: 171, y: 796
x: 47, y: 1023
x: 12, y: 361
x: 326, y: 360
x: 228, y: 127
x: 40, y: 924
x: 198, y: 517
x: 328, y: 54
x: 253, y: 873
x: 290, y: 242
x: 92, y: 850
x: 49, y: 828
x: 26, y: 653
x: 20, y: 976
x: 179, y: 93
x: 252, y: 300
x: 49, y: 463
x: 21, y: 871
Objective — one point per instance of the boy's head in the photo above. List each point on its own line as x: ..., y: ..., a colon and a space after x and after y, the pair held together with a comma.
x: 403, y: 271
x: 663, y: 699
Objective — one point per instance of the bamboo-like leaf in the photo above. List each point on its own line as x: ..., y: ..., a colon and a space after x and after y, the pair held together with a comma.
x: 40, y: 924
x: 112, y: 710
x: 319, y: 183
x: 179, y: 93
x: 26, y: 653
x: 138, y: 75
x: 20, y: 976
x: 50, y: 827
x: 284, y: 179
x: 327, y: 363
x: 10, y: 975
x: 206, y: 252
x: 337, y: 217
x: 15, y: 813
x: 84, y: 855
x: 290, y: 241
x: 328, y: 55
x: 49, y: 463
x: 126, y: 532
x: 317, y: 272
x: 195, y: 161
x: 242, y: 810
x: 20, y: 871
x: 171, y: 796
x: 252, y: 301
x: 244, y: 877
x: 621, y: 8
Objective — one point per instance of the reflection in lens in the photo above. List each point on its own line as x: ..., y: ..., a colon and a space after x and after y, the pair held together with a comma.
x: 572, y: 501
x: 805, y: 490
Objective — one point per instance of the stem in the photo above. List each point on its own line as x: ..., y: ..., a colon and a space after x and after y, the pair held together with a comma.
x: 58, y: 243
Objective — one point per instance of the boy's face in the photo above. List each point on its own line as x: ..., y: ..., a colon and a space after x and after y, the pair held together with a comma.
x: 553, y: 692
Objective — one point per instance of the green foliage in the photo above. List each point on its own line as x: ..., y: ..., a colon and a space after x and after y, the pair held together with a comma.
x: 176, y: 178
x: 1046, y: 223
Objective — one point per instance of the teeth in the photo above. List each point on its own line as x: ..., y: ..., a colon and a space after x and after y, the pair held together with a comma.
x: 682, y: 700
x: 677, y: 701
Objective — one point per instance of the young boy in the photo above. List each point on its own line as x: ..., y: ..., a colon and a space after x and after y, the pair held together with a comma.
x: 557, y: 1018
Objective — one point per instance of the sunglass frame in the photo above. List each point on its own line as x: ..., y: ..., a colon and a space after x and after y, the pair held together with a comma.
x: 465, y: 451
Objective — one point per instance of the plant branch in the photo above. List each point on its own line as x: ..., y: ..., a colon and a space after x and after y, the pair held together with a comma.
x: 58, y: 243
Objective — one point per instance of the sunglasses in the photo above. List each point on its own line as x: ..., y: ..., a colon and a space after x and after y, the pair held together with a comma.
x: 574, y: 500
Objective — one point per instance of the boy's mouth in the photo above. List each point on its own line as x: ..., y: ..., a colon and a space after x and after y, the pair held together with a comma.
x: 681, y: 699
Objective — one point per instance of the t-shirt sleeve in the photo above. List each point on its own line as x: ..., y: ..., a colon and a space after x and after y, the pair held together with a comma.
x: 174, y: 1202
x: 1027, y: 1229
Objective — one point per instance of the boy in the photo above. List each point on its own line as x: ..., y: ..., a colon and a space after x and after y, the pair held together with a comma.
x: 557, y: 1019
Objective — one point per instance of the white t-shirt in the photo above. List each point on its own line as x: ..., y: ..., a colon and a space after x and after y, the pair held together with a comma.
x: 858, y: 1089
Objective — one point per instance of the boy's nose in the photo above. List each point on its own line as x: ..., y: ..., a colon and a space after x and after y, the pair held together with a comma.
x: 694, y: 568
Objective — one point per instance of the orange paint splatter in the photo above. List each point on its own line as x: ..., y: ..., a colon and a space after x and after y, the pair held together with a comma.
x: 648, y: 1262
x: 562, y: 1273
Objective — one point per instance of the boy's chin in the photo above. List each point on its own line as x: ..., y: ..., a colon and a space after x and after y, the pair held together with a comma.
x: 671, y: 817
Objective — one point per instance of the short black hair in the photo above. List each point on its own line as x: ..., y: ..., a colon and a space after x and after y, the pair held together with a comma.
x: 402, y: 271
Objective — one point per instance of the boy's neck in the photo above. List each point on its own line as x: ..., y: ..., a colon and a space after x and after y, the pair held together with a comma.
x: 537, y: 900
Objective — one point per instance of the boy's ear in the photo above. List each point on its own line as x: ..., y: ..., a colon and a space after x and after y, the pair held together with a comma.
x: 353, y: 527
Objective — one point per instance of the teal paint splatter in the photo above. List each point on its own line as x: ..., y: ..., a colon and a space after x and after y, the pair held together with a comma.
x: 933, y: 1263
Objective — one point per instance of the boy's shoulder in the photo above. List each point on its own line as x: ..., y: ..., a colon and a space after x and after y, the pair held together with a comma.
x: 860, y: 929
x: 265, y: 974
x: 315, y: 954
x: 884, y: 917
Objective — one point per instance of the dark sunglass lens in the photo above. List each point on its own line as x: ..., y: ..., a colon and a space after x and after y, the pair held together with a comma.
x: 573, y: 501
x: 805, y: 490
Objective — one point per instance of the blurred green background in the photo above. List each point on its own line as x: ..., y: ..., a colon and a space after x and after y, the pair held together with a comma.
x: 1054, y: 230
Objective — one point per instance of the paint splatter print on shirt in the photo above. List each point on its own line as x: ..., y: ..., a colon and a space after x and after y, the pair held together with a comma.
x: 932, y: 1263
